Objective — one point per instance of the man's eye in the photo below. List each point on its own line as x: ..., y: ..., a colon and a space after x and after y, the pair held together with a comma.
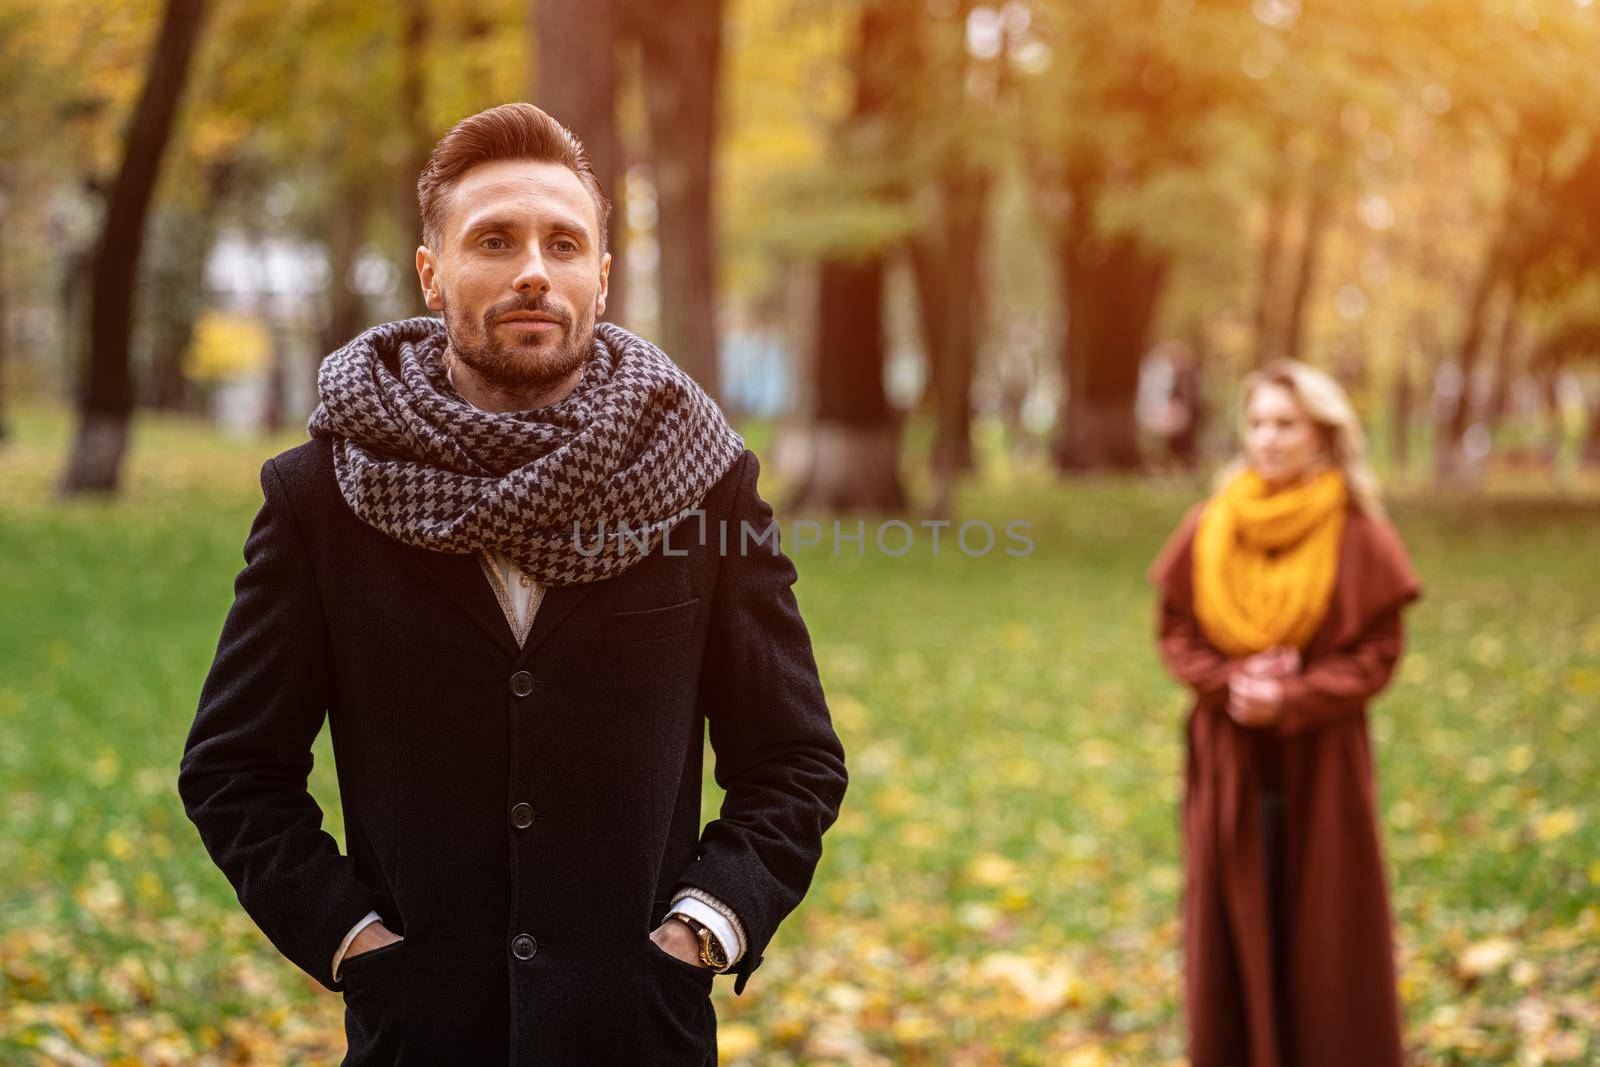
x: 487, y: 241
x: 566, y: 246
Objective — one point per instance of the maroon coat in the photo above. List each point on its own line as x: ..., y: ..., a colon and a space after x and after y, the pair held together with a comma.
x: 1335, y: 999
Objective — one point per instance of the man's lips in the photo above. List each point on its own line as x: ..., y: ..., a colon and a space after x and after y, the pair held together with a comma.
x: 534, y: 322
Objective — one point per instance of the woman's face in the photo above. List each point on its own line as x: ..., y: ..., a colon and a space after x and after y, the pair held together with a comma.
x: 1280, y: 442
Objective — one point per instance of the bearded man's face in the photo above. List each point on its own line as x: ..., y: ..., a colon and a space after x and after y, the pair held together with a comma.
x: 520, y: 277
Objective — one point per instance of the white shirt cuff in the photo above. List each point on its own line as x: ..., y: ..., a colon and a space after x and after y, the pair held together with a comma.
x: 361, y: 924
x: 726, y: 933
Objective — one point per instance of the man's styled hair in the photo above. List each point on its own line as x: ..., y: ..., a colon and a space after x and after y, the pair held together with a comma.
x: 511, y: 131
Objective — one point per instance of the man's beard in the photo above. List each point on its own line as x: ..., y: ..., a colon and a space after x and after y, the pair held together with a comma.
x: 519, y: 369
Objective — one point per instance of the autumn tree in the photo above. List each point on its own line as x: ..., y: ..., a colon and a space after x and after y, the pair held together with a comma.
x: 106, y: 401
x: 576, y: 80
x: 680, y: 48
x: 853, y: 434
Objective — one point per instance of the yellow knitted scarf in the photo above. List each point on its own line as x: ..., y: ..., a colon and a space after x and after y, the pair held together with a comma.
x: 1265, y: 562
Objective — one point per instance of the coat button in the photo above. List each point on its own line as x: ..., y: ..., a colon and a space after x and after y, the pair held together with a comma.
x: 522, y: 683
x: 523, y: 947
x: 522, y: 816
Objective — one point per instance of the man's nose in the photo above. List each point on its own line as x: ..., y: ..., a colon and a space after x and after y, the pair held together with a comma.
x: 531, y: 273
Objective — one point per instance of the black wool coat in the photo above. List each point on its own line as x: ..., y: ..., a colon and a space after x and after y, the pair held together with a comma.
x: 522, y: 945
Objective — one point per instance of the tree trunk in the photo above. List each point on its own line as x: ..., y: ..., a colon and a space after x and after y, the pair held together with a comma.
x: 576, y: 82
x: 924, y: 255
x: 416, y: 144
x: 1577, y: 335
x: 946, y: 256
x: 681, y: 48
x: 275, y: 404
x: 171, y: 325
x: 1403, y: 404
x: 1267, y: 342
x: 852, y: 461
x: 347, y: 310
x: 1317, y: 210
x: 1506, y: 355
x: 1113, y: 288
x: 1447, y: 454
x: 106, y: 401
x: 952, y: 443
x: 853, y: 454
x: 1550, y: 407
x: 1591, y: 441
x: 1448, y: 458
x: 1189, y: 390
x: 946, y: 262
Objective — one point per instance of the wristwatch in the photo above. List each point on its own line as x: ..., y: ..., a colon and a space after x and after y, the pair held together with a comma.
x: 711, y: 951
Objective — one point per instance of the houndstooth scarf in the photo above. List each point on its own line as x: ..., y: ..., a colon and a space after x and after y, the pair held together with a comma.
x: 573, y: 492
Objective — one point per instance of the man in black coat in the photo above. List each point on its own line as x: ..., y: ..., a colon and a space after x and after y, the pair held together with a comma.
x: 517, y: 698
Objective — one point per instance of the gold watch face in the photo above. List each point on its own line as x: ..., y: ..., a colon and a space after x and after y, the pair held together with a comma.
x: 710, y: 951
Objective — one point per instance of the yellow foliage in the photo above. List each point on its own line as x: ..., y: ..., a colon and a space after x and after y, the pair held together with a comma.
x: 992, y: 869
x: 227, y: 345
x: 1553, y: 824
x: 736, y: 1040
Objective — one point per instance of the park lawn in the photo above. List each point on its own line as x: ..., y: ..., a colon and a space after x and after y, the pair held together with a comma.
x: 1002, y: 885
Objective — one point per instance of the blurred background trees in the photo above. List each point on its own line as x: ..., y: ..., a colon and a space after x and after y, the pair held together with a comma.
x: 916, y: 233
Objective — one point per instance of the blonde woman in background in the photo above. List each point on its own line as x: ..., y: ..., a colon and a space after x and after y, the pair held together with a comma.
x: 1280, y: 603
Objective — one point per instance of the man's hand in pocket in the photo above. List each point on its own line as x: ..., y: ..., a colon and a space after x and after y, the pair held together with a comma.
x: 676, y: 939
x: 373, y: 935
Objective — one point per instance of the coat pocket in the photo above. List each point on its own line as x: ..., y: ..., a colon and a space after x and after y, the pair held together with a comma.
x: 373, y: 963
x: 683, y: 984
x: 651, y: 622
x: 375, y: 995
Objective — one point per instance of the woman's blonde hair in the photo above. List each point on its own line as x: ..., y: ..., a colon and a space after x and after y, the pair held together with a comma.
x: 1325, y: 403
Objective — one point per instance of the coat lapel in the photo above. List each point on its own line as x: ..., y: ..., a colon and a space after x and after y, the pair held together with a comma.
x: 558, y: 602
x: 461, y: 577
x: 463, y: 580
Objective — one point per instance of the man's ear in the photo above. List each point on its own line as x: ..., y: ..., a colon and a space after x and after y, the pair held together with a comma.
x: 428, y: 275
x: 605, y: 278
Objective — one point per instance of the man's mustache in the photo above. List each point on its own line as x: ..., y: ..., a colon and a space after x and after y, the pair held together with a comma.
x: 542, y: 306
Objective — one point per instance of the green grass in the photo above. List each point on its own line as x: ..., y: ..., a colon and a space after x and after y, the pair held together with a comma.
x: 1002, y: 885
